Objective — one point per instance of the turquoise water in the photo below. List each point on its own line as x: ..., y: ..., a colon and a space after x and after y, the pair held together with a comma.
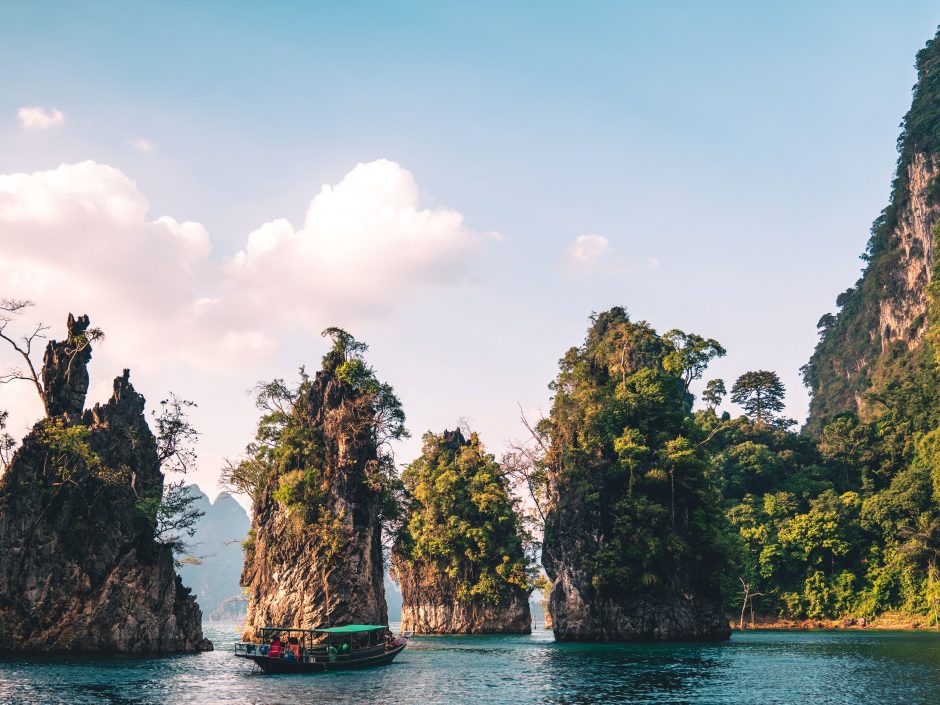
x: 854, y: 668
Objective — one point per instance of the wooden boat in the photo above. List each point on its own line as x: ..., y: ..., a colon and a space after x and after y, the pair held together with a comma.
x: 286, y: 650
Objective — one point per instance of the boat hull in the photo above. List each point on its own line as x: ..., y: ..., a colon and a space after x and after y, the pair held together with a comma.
x: 280, y: 665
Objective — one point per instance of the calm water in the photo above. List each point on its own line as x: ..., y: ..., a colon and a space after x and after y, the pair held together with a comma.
x: 854, y: 668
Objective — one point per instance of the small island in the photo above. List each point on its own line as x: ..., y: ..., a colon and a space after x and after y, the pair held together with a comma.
x: 83, y: 568
x: 460, y: 556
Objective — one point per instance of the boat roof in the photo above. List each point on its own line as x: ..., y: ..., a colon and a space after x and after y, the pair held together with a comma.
x: 345, y: 629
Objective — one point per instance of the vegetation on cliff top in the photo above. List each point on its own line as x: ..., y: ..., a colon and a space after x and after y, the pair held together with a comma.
x: 462, y: 526
x: 625, y: 460
x: 290, y: 445
x: 849, y: 363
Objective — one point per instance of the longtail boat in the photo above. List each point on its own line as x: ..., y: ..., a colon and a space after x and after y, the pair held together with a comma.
x: 287, y: 650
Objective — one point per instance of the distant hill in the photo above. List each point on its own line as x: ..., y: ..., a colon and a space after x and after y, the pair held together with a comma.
x: 217, y: 545
x: 393, y: 599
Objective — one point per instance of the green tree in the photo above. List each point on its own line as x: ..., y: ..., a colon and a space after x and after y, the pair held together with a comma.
x: 760, y: 394
x: 462, y: 520
x: 714, y: 393
x: 690, y: 354
x: 619, y: 451
x: 7, y: 442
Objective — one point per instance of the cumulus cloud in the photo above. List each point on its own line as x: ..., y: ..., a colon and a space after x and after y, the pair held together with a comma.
x: 36, y: 118
x: 586, y: 251
x: 80, y: 238
x: 364, y: 243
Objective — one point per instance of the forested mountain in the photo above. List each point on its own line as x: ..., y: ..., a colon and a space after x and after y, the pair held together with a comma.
x: 875, y: 354
x: 635, y: 541
x: 86, y: 558
x: 845, y: 519
x: 323, y: 486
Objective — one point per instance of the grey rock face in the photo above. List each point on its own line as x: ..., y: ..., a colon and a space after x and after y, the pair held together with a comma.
x: 579, y: 612
x: 287, y: 575
x: 430, y: 606
x: 80, y: 570
x: 65, y: 371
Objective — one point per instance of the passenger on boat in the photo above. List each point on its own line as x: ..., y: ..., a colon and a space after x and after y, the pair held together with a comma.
x: 294, y: 646
x: 276, y: 650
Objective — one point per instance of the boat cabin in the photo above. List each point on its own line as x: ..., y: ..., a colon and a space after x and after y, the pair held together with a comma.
x: 329, y: 647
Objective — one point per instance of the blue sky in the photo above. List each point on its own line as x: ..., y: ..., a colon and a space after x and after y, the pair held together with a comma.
x: 732, y: 154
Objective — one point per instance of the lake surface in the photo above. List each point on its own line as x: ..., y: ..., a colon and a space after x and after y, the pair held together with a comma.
x: 820, y: 668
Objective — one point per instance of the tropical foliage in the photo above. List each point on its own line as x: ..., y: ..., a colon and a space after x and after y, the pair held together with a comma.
x: 624, y: 455
x: 462, y: 521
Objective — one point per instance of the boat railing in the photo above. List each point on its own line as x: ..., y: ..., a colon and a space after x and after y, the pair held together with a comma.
x: 316, y: 654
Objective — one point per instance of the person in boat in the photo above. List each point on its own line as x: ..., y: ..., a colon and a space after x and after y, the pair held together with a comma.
x: 277, y: 649
x: 294, y: 647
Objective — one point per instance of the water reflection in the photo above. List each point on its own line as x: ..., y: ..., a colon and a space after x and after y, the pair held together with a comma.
x: 857, y: 668
x: 590, y: 673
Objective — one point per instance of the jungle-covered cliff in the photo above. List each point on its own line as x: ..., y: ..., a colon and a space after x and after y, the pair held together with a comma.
x: 873, y: 344
x: 634, y: 534
x: 460, y: 557
x: 843, y: 521
x: 323, y: 484
x: 81, y: 569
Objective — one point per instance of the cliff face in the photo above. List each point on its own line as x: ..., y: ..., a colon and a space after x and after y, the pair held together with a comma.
x: 80, y: 570
x: 311, y: 568
x: 430, y: 605
x: 881, y: 320
x: 578, y: 611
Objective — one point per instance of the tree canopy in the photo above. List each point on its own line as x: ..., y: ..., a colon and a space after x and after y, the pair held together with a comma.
x: 760, y: 394
x: 621, y: 452
x: 461, y: 521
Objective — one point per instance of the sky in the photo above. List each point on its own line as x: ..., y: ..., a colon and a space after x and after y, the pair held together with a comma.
x: 460, y: 185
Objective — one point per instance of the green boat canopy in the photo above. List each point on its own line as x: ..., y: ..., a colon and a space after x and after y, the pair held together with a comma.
x: 351, y: 628
x: 346, y: 629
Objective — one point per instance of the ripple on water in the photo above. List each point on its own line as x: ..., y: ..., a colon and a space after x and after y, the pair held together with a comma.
x: 821, y: 668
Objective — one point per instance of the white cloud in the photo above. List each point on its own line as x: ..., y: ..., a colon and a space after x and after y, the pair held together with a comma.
x: 143, y: 146
x: 36, y: 118
x: 586, y: 251
x: 364, y: 244
x: 79, y: 238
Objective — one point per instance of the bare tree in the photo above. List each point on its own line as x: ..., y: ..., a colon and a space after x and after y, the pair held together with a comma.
x: 749, y: 595
x: 22, y: 344
x: 525, y: 465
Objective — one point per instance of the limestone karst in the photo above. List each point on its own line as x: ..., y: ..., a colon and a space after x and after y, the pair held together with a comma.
x: 320, y: 485
x: 80, y: 567
x: 460, y: 557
